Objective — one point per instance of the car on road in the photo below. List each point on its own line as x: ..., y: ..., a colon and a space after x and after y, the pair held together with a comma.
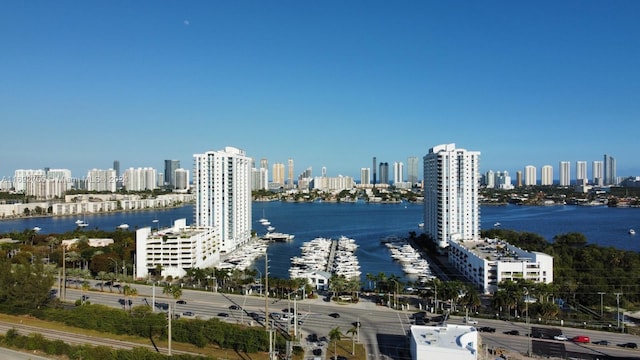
x: 601, y: 342
x: 629, y: 345
x: 317, y: 351
x: 560, y: 337
x: 181, y: 302
x: 470, y: 321
x: 234, y: 307
x: 85, y: 297
x: 487, y: 329
x: 335, y: 315
x: 356, y: 324
x: 581, y: 339
x: 512, y: 332
x: 223, y: 314
x: 188, y: 313
x: 339, y: 357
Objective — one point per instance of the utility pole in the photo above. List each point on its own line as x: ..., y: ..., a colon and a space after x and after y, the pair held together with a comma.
x: 618, y: 308
x: 266, y: 304
x: 601, y: 304
x: 169, y: 337
x: 64, y: 274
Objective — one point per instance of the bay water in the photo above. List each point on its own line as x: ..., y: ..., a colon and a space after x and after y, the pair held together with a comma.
x: 368, y: 224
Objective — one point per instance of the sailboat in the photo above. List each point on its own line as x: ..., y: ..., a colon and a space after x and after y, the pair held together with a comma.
x: 263, y: 220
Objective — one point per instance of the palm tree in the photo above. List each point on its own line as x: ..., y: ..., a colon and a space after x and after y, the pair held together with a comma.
x: 335, y: 335
x: 353, y: 331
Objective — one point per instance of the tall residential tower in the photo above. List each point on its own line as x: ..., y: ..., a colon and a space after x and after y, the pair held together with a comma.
x: 222, y: 184
x: 451, y: 210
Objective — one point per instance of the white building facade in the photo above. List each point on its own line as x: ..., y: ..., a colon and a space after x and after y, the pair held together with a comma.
x: 488, y: 262
x: 222, y: 185
x: 547, y: 175
x: 451, y: 182
x: 173, y: 250
x: 530, y: 175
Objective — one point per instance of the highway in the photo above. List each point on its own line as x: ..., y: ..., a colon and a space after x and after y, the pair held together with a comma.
x: 383, y: 330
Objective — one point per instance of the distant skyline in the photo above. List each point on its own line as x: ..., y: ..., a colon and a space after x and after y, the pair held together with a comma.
x: 328, y: 84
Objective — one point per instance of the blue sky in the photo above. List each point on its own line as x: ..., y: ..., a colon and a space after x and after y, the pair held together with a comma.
x: 326, y: 83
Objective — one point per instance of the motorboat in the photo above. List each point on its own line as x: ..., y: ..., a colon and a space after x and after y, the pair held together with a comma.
x: 632, y: 232
x: 123, y: 226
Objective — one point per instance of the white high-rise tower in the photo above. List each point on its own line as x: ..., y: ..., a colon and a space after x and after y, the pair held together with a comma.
x: 451, y: 210
x: 222, y: 181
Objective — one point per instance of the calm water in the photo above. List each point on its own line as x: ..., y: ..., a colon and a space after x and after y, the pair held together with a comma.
x: 368, y: 223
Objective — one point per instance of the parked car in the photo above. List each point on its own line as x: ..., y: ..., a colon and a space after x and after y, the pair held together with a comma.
x: 487, y: 329
x: 581, y: 339
x: 601, y: 342
x: 512, y: 332
x: 560, y: 337
x: 629, y: 345
x: 335, y: 315
x: 317, y: 351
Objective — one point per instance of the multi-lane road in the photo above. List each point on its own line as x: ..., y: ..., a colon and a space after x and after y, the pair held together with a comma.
x: 383, y: 331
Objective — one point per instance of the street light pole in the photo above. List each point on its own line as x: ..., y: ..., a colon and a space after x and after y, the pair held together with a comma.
x: 525, y: 291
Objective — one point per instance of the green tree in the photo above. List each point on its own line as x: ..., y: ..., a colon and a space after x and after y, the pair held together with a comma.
x: 334, y: 336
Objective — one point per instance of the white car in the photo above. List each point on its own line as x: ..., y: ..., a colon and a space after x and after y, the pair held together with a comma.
x: 470, y: 321
x: 561, y: 337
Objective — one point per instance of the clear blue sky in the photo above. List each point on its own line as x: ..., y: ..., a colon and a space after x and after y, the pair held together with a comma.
x: 327, y: 83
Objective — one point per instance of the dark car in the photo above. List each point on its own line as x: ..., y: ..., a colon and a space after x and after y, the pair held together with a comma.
x: 313, y: 337
x: 234, y: 307
x: 223, y: 314
x: 188, y: 313
x: 181, y: 302
x: 601, y: 342
x: 85, y: 297
x: 356, y: 324
x: 317, y: 351
x: 420, y: 321
x: 629, y: 345
x: 512, y: 332
x: 288, y: 310
x: 487, y: 329
x: 334, y: 315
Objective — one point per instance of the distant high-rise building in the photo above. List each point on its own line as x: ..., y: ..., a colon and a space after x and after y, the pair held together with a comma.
x: 364, y: 176
x: 278, y: 174
x: 519, y: 180
x: 170, y: 167
x: 384, y: 173
x: 530, y: 175
x: 412, y: 169
x: 264, y: 164
x: 101, y: 180
x: 503, y: 180
x: 140, y: 179
x: 290, y: 184
x: 182, y: 180
x: 375, y: 166
x: 489, y: 180
x: 565, y: 173
x: 581, y: 173
x: 598, y: 173
x: 547, y: 176
x: 398, y: 172
x: 609, y: 170
x: 324, y: 171
x: 222, y: 186
x: 116, y: 167
x: 451, y: 210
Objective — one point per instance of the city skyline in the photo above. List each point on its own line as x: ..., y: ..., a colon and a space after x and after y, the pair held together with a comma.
x: 328, y: 84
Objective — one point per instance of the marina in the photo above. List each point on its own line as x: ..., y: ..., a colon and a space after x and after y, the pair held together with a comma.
x: 333, y: 256
x: 412, y: 262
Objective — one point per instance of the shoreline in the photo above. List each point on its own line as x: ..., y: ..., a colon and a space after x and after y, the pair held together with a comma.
x: 23, y: 217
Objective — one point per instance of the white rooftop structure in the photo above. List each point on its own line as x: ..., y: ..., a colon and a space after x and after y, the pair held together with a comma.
x: 450, y: 342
